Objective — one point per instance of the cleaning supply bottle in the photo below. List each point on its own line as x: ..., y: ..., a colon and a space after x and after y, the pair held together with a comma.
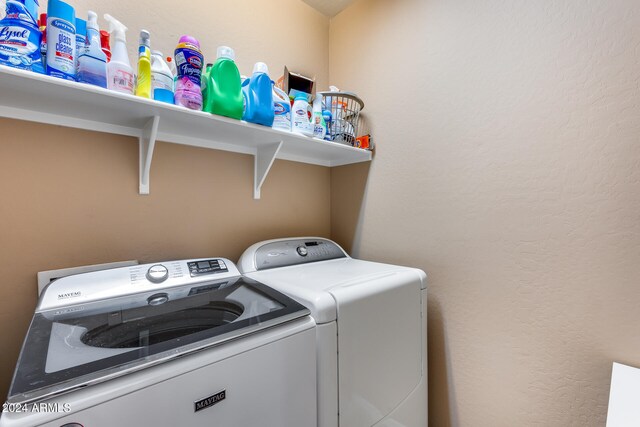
x: 299, y: 118
x: 317, y: 118
x: 92, y: 63
x: 81, y: 35
x: 189, y: 59
x: 42, y: 26
x: 326, y: 115
x: 32, y: 7
x: 120, y: 77
x: 259, y: 96
x: 281, y: 109
x: 161, y: 78
x: 205, y: 88
x: 20, y: 36
x: 61, y: 33
x: 244, y: 84
x: 105, y: 43
x: 81, y: 38
x: 224, y: 91
x: 172, y: 67
x: 143, y: 82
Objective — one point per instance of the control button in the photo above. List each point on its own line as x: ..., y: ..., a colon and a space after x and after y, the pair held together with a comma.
x: 158, y: 299
x: 157, y: 273
x: 302, y: 251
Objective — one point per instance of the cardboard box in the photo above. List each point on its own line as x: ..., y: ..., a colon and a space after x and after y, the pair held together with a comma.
x: 293, y: 83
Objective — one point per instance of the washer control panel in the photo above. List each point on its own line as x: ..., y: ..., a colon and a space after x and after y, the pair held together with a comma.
x: 98, y: 285
x: 208, y: 266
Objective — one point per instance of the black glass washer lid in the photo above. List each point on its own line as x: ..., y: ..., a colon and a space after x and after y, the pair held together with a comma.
x: 86, y: 344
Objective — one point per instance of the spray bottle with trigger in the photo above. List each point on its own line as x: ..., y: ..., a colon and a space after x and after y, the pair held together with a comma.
x: 120, y: 77
x: 143, y: 84
x: 92, y: 62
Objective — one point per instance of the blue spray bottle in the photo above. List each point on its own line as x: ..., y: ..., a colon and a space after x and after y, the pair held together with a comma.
x: 259, y: 96
x: 92, y: 62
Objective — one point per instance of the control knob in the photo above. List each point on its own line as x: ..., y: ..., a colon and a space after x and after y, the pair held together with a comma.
x: 157, y: 273
x: 158, y: 299
x: 302, y: 250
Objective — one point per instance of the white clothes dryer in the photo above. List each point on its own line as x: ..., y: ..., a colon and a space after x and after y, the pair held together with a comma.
x: 371, y: 329
x: 181, y: 343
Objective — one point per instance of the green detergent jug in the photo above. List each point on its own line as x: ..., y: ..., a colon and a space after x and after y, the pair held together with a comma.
x: 222, y: 90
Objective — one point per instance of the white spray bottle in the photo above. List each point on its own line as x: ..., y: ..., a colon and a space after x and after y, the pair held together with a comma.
x: 120, y: 77
x: 319, y: 125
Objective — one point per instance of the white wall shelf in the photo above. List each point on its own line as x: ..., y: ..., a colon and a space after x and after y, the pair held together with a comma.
x: 34, y: 97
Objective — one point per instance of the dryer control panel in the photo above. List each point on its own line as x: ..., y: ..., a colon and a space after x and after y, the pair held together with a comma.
x: 287, y: 252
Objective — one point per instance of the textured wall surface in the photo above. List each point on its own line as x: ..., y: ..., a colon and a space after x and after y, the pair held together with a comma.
x: 508, y: 168
x: 70, y: 197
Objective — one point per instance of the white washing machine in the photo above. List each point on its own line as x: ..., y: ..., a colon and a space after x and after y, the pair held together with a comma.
x: 181, y: 343
x: 371, y: 329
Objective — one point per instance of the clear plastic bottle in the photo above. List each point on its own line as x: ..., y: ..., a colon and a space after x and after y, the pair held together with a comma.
x: 92, y: 62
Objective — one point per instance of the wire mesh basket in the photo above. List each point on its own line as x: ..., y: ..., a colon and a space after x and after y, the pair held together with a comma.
x: 345, y: 110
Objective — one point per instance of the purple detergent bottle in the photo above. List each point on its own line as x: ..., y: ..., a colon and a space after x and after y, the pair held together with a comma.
x: 188, y: 59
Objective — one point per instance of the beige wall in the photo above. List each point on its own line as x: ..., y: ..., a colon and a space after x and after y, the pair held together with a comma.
x: 508, y: 168
x: 70, y: 197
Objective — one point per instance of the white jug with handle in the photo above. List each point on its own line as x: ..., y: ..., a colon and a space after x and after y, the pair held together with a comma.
x: 300, y: 122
